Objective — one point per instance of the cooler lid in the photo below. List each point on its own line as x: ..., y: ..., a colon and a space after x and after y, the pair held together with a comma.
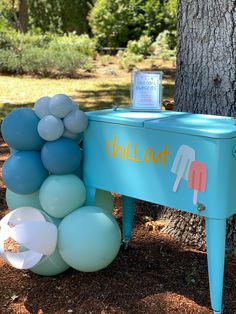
x: 126, y: 117
x: 196, y: 124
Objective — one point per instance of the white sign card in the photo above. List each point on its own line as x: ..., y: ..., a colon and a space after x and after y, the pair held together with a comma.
x: 146, y: 90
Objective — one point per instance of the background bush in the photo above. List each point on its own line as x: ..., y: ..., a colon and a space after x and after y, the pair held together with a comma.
x: 46, y: 55
x: 116, y: 22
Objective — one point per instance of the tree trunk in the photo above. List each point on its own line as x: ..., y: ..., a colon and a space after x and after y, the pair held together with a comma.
x: 23, y: 15
x: 205, y: 83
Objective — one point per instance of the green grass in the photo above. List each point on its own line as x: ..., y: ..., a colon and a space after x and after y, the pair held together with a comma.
x: 101, y: 89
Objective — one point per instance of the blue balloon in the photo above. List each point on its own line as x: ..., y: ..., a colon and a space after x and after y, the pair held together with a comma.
x: 62, y: 156
x: 19, y: 130
x: 23, y: 172
x: 60, y: 105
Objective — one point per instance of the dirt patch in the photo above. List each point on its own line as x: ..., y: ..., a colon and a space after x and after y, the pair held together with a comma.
x: 155, y: 275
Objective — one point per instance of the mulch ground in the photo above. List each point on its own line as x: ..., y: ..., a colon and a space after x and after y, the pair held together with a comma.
x: 155, y: 275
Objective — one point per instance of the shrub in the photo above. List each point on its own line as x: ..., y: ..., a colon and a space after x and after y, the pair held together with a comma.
x: 141, y: 46
x: 165, y: 45
x: 128, y: 60
x: 45, y: 55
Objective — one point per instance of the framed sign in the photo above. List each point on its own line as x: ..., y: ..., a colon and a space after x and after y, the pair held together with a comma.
x: 146, y: 90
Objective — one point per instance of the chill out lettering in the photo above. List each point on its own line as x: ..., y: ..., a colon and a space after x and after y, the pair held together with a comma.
x: 129, y: 151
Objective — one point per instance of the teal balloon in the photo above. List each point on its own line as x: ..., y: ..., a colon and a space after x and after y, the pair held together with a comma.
x: 19, y: 130
x: 104, y: 199
x: 15, y: 200
x: 61, y: 194
x: 54, y: 264
x: 89, y: 239
x: 23, y: 172
x: 62, y: 156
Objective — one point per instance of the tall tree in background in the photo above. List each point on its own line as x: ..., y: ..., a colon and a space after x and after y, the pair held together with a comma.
x: 205, y: 83
x: 23, y: 15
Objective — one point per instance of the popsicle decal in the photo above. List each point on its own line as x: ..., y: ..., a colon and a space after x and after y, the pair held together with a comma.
x: 183, y: 159
x: 197, y: 179
x: 186, y: 167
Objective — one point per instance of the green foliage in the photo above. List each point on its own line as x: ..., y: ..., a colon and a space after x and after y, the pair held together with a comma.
x: 45, y: 55
x: 164, y: 46
x: 116, y: 22
x: 128, y: 60
x: 57, y: 16
x: 141, y: 46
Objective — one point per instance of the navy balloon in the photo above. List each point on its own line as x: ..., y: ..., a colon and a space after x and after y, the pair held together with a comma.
x: 23, y: 172
x: 19, y: 130
x: 62, y: 156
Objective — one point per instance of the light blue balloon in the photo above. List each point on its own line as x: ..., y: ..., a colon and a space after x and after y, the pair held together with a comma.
x: 41, y: 107
x: 60, y: 105
x: 19, y: 130
x: 23, y: 172
x: 89, y: 239
x: 104, y: 199
x: 62, y: 156
x: 50, y: 128
x: 15, y: 200
x: 54, y: 264
x: 76, y: 121
x: 77, y: 137
x: 61, y: 194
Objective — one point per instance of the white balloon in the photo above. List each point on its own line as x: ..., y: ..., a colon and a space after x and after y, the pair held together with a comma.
x: 50, y: 128
x: 41, y: 107
x: 76, y: 121
x: 60, y: 105
x: 29, y: 228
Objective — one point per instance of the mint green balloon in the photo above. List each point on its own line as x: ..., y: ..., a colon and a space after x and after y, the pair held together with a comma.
x: 61, y: 194
x: 89, y: 239
x: 51, y: 265
x: 54, y: 264
x: 104, y: 199
x: 15, y: 200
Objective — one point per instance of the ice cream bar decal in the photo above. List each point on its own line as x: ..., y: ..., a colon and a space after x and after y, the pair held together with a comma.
x: 183, y: 159
x: 186, y: 167
x: 197, y: 179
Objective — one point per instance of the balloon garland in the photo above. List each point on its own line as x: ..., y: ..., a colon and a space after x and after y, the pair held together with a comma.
x: 48, y: 222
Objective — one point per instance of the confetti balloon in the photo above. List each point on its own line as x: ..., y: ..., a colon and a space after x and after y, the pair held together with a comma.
x: 34, y: 236
x: 53, y: 264
x: 19, y: 130
x: 89, y: 239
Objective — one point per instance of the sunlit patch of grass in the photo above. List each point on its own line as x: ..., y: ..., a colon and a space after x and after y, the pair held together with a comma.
x: 101, y: 89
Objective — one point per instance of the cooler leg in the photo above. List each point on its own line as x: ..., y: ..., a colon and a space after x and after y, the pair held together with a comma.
x: 90, y: 196
x: 215, y: 239
x: 128, y: 206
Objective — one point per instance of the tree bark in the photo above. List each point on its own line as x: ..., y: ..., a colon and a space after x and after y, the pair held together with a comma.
x: 205, y: 83
x: 23, y: 15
